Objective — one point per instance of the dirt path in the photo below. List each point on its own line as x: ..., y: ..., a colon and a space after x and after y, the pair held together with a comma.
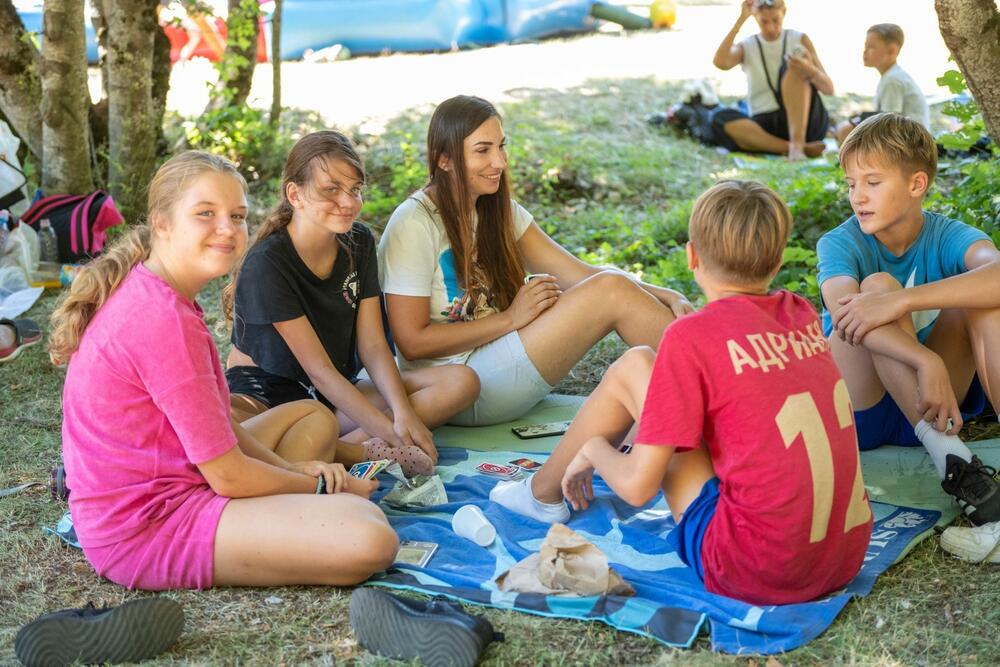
x: 370, y: 89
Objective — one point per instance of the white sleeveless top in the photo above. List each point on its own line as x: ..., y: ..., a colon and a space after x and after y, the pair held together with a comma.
x: 760, y: 98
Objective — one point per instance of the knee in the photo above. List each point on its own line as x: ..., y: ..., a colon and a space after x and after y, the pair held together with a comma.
x: 464, y: 380
x: 611, y: 284
x: 635, y: 362
x: 880, y: 283
x: 378, y: 547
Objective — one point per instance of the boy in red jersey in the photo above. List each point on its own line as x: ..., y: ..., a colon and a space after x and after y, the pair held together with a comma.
x: 744, y: 422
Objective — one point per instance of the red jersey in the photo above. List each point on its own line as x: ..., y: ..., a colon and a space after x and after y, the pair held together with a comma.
x: 753, y: 379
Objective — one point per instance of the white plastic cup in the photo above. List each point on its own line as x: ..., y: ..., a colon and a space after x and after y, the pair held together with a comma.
x: 470, y: 522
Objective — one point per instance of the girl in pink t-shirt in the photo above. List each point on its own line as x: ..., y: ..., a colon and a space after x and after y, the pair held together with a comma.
x: 168, y: 492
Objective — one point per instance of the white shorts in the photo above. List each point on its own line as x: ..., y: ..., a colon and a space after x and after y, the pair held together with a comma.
x: 510, y: 383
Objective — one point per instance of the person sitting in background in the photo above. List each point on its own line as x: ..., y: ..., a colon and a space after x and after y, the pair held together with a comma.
x: 896, y: 91
x: 784, y: 76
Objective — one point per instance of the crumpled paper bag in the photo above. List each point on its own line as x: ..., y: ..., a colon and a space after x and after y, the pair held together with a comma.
x: 566, y: 564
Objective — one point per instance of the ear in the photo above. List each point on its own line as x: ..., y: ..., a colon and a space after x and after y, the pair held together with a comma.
x: 444, y: 162
x: 294, y: 195
x: 919, y: 182
x: 159, y: 223
x: 692, y: 256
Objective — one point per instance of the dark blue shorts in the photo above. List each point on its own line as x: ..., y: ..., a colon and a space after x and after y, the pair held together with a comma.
x: 687, y: 537
x: 885, y: 424
x: 270, y: 389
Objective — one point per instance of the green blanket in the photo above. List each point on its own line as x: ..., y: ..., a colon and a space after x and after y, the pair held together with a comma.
x: 898, y: 475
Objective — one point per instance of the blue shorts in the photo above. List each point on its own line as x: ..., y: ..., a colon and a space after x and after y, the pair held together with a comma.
x: 885, y: 424
x: 687, y: 537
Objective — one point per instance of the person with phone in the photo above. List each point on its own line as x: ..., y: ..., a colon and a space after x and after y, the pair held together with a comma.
x: 785, y: 115
x: 452, y: 264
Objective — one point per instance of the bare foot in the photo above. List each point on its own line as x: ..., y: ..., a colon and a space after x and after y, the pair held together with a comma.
x: 814, y: 148
x: 795, y: 152
x: 360, y: 487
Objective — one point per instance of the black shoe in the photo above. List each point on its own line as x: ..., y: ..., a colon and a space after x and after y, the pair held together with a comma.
x: 437, y: 632
x: 974, y: 487
x: 137, y: 630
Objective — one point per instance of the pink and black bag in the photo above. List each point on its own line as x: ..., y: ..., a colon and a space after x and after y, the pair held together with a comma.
x: 81, y: 222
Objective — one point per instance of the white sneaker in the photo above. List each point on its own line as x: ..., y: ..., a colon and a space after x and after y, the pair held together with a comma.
x: 979, y: 544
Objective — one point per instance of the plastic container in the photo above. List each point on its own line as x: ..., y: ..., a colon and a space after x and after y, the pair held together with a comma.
x: 48, y: 242
x: 4, y: 228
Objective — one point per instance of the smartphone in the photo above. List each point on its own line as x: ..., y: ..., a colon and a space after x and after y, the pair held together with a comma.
x: 540, y: 430
x: 527, y: 278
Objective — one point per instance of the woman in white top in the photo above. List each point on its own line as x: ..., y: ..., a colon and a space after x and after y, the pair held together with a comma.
x: 452, y: 264
x: 784, y: 77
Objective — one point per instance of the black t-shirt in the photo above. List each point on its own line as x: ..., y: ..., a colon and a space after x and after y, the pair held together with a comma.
x: 275, y: 285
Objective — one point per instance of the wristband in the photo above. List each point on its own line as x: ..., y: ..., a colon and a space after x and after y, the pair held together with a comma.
x: 321, y: 485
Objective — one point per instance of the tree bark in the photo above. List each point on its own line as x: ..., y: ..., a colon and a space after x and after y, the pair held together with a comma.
x: 131, y: 120
x: 971, y: 30
x: 161, y: 84
x: 65, y: 100
x: 276, y: 62
x: 20, y: 79
x: 240, y: 58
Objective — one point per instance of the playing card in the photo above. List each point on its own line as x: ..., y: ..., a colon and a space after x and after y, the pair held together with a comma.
x: 497, y: 470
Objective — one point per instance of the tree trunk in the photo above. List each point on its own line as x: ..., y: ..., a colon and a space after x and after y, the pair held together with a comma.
x: 240, y: 57
x: 131, y: 121
x: 65, y: 100
x: 971, y: 30
x: 20, y: 81
x: 161, y: 84
x: 276, y: 62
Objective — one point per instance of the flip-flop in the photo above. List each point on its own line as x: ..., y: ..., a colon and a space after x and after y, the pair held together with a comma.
x: 26, y: 334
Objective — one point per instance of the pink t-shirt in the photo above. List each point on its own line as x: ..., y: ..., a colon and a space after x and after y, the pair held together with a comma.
x: 753, y: 378
x: 145, y: 400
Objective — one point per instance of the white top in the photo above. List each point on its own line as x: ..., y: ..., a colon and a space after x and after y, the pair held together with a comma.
x: 760, y: 98
x: 897, y: 91
x: 415, y: 259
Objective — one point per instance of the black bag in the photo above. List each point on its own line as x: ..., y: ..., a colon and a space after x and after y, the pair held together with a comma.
x: 80, y: 222
x: 694, y: 118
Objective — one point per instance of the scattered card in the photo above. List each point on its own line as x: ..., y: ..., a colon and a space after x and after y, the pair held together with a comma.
x: 527, y: 465
x: 415, y: 553
x: 497, y: 470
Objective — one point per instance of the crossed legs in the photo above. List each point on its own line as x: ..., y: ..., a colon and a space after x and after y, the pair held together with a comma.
x: 610, y: 414
x: 338, y: 540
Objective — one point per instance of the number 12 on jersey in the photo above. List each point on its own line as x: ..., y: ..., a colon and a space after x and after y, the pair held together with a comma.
x: 799, y: 415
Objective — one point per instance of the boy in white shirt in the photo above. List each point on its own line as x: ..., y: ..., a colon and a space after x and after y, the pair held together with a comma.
x: 896, y: 91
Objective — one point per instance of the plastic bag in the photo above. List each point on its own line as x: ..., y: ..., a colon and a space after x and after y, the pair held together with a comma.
x: 22, y: 250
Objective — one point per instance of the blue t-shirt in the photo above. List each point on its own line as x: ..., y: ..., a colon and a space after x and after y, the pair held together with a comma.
x: 938, y: 253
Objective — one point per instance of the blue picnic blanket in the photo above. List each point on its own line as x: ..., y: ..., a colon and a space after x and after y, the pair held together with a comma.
x: 671, y: 605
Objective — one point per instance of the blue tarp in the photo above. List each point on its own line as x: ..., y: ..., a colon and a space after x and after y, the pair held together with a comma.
x: 671, y: 604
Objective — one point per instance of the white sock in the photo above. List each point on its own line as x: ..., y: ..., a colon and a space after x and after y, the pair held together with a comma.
x: 939, y: 445
x: 516, y: 496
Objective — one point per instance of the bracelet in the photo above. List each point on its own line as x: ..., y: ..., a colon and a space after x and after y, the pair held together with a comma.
x: 321, y: 485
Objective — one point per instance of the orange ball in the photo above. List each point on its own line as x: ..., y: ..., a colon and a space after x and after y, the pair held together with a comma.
x: 663, y: 13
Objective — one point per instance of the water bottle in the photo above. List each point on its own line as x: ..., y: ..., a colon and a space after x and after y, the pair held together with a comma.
x: 48, y: 241
x: 4, y: 228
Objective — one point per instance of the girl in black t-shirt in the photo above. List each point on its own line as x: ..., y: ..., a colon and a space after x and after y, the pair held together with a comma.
x: 308, y: 318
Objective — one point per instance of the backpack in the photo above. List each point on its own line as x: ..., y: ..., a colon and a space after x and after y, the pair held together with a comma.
x: 80, y: 221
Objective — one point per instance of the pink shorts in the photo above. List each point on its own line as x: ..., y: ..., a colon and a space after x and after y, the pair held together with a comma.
x: 177, y: 552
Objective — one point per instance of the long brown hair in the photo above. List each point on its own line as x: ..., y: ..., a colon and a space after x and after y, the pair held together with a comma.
x: 311, y: 151
x: 492, y: 248
x: 93, y: 285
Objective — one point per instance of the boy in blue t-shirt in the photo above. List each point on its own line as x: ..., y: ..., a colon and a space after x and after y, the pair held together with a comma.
x: 912, y: 299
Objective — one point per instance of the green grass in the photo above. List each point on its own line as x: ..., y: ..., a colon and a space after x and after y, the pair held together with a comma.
x: 614, y: 190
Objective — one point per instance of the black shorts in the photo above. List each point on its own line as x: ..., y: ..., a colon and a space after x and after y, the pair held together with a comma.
x: 270, y: 389
x: 774, y: 122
